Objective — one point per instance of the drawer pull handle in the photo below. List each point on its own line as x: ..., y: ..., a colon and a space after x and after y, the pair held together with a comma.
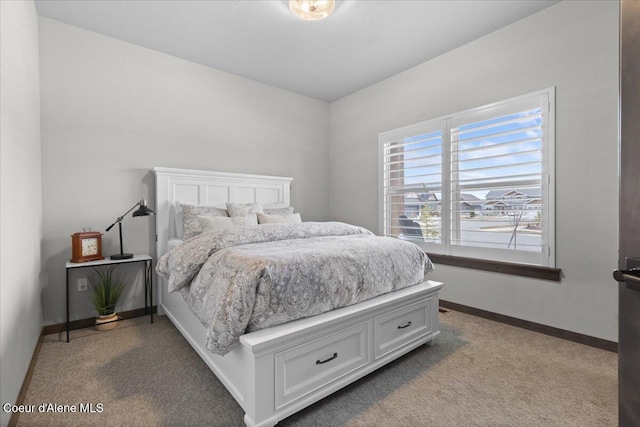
x: 320, y: 362
x: 405, y: 326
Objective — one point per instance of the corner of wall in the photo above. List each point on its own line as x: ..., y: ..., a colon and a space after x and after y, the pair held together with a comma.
x: 21, y: 219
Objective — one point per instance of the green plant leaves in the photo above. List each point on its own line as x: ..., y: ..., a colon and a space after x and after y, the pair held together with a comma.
x: 106, y: 288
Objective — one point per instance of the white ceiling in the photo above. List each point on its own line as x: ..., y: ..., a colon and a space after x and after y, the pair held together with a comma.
x: 361, y: 43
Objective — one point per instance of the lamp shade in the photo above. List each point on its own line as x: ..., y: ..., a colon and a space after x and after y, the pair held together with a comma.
x: 143, y: 210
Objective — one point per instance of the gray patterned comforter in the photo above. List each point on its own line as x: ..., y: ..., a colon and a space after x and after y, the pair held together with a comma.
x: 243, y: 279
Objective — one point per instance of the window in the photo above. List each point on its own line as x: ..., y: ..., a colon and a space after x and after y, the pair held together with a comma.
x: 476, y: 184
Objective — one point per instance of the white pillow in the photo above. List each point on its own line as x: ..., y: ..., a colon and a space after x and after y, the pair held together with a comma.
x: 279, y: 219
x: 243, y: 209
x: 220, y: 223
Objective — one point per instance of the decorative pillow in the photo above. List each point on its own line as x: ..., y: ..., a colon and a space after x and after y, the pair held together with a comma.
x: 190, y: 218
x: 243, y: 209
x: 279, y: 211
x: 279, y: 219
x: 220, y: 223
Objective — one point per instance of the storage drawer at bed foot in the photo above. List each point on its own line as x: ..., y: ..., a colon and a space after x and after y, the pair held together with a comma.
x: 312, y: 365
x: 401, y: 326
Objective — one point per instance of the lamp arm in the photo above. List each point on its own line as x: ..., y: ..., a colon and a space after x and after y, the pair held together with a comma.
x: 125, y: 214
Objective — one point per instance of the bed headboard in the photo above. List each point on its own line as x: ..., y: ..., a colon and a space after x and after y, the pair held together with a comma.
x: 207, y: 188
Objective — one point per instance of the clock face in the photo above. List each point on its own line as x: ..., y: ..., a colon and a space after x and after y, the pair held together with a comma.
x: 89, y: 246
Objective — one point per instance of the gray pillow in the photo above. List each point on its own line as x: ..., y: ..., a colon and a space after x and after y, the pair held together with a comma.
x: 243, y: 209
x: 190, y: 215
x: 279, y: 211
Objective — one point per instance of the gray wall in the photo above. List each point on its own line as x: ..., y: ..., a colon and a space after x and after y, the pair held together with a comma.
x: 111, y: 111
x: 20, y: 196
x: 572, y: 46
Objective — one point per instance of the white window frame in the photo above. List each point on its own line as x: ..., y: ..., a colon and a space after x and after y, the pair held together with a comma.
x: 544, y: 258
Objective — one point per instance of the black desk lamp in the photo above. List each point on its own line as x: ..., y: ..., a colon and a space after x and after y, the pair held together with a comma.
x: 143, y: 210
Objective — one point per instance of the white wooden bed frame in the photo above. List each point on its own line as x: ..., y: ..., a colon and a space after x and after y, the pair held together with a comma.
x: 278, y: 371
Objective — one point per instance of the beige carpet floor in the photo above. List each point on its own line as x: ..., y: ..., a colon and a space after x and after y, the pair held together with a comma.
x: 477, y: 373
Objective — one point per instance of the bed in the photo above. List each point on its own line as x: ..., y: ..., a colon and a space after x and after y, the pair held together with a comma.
x: 277, y: 371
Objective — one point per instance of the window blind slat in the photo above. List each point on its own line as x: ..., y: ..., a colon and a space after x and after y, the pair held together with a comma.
x: 512, y: 165
x: 498, y: 146
x: 498, y: 122
x: 504, y: 179
x: 496, y: 157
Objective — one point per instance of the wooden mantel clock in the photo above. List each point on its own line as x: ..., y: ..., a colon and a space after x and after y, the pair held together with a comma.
x: 86, y: 246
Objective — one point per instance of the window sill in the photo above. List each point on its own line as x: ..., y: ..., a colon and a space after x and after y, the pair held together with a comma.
x: 526, y: 270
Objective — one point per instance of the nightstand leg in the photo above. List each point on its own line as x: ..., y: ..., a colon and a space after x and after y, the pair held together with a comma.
x: 148, y: 289
x: 67, y: 325
x: 151, y: 289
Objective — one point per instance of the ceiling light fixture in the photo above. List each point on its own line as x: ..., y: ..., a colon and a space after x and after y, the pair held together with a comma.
x: 312, y: 10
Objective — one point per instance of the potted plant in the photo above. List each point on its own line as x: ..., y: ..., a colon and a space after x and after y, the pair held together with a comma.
x: 106, y: 288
